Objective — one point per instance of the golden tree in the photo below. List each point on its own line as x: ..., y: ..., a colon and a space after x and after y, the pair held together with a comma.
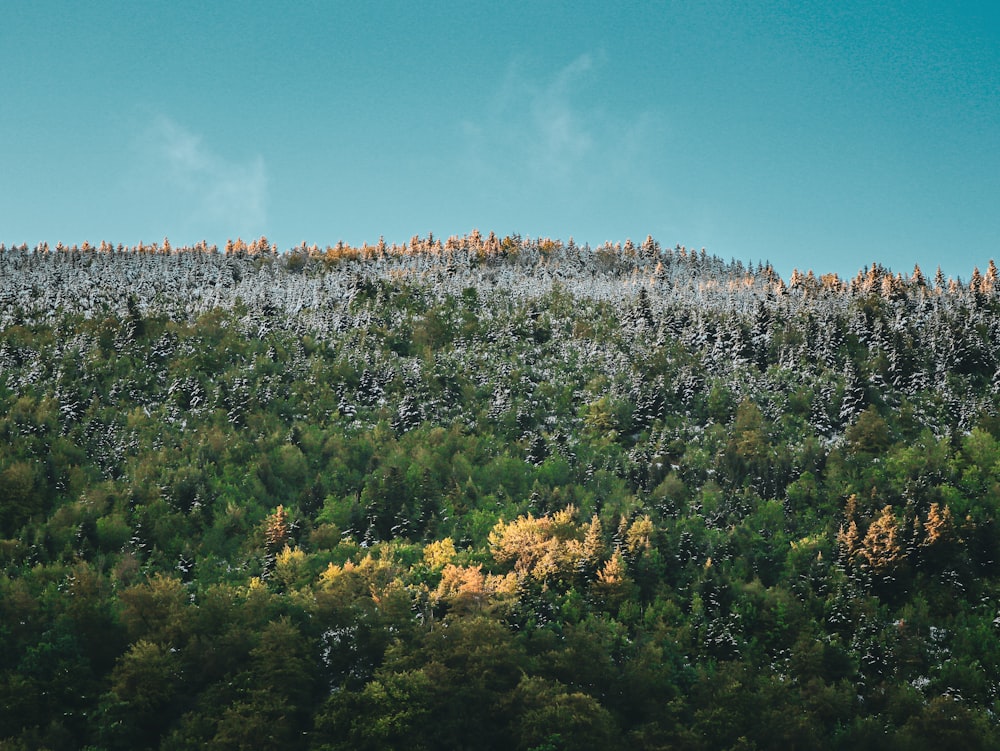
x: 276, y: 530
x: 880, y: 548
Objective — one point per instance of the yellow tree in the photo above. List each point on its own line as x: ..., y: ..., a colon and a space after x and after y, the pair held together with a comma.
x: 276, y: 530
x: 462, y: 588
x: 940, y: 541
x: 880, y: 548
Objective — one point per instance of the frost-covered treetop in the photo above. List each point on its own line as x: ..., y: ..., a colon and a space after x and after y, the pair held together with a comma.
x: 186, y: 281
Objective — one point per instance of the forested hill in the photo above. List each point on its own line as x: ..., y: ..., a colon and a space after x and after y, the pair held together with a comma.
x: 492, y: 492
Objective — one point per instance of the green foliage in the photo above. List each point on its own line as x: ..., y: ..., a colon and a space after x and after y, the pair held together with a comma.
x: 412, y: 507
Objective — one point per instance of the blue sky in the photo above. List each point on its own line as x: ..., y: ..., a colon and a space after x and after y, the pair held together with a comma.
x: 821, y: 135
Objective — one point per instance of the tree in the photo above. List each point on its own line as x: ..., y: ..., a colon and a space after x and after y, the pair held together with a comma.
x: 869, y: 434
x: 156, y: 611
x: 854, y: 394
x: 944, y: 722
x: 21, y: 498
x: 144, y: 697
x: 547, y: 548
x: 276, y: 530
x: 270, y: 701
x: 462, y: 588
x: 881, y: 549
x: 394, y: 711
x: 748, y: 455
x: 547, y: 715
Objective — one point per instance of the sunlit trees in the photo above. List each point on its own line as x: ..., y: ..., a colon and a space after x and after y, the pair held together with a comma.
x: 549, y: 548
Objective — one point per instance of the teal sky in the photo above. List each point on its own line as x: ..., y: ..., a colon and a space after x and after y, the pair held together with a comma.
x: 821, y: 135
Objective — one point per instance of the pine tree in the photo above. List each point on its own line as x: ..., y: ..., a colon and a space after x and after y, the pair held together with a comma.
x: 276, y: 530
x: 854, y: 394
x: 989, y: 283
x: 976, y: 282
x: 880, y: 549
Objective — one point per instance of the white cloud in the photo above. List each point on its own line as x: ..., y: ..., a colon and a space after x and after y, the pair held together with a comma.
x: 534, y: 125
x: 561, y: 138
x: 217, y: 195
x: 555, y: 137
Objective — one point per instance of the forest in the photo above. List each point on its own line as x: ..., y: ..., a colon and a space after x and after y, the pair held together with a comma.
x: 494, y: 493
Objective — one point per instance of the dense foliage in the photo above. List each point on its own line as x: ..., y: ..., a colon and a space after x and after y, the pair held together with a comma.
x: 494, y: 493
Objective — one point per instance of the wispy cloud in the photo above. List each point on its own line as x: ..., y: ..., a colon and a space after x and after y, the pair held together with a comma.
x: 554, y: 135
x: 533, y: 124
x: 559, y: 137
x: 216, y: 194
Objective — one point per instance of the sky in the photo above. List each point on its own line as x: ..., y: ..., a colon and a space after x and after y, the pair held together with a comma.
x: 811, y: 135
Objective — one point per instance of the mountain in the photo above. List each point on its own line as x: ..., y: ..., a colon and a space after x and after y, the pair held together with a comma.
x: 493, y: 492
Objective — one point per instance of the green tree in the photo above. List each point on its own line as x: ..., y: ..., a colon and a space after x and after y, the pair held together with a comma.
x: 145, y: 696
x: 22, y: 499
x: 546, y: 714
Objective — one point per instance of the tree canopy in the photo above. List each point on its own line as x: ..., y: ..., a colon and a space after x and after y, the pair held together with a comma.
x: 493, y: 492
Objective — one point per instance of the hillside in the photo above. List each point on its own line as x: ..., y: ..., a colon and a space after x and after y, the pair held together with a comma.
x: 494, y: 493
